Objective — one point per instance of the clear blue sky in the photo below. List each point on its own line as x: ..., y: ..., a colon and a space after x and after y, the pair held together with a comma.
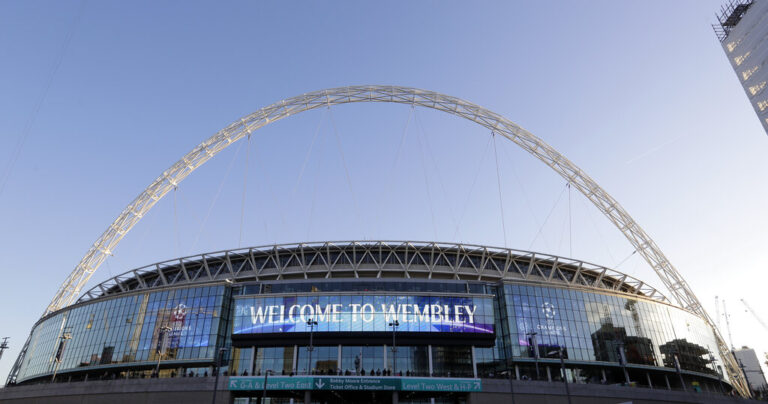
x: 638, y: 94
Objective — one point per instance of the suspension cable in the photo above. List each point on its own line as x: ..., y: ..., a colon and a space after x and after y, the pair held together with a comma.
x: 472, y: 187
x: 570, y: 223
x: 431, y: 155
x: 176, y: 221
x: 547, y: 218
x: 109, y: 268
x: 6, y: 174
x: 563, y: 233
x: 597, y: 230
x: 270, y: 187
x: 388, y: 182
x: 313, y: 200
x: 527, y: 200
x: 346, y: 169
x: 625, y: 259
x: 309, y: 152
x: 216, y: 197
x: 498, y: 182
x: 426, y: 186
x: 245, y: 190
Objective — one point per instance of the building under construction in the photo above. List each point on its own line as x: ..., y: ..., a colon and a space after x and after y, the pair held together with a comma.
x: 742, y: 28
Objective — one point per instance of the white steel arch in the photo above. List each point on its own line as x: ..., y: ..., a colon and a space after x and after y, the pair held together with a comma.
x: 170, y: 179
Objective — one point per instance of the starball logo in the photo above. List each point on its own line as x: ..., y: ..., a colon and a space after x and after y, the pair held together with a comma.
x: 179, y: 313
x: 548, y: 310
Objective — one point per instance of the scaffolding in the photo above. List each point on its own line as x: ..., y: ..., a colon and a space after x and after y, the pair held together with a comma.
x: 730, y: 15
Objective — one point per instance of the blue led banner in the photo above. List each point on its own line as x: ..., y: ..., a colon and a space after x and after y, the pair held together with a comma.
x: 366, y: 313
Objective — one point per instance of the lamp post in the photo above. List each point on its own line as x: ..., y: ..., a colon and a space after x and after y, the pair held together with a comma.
x: 717, y: 370
x: 263, y: 398
x: 311, y: 324
x: 162, y: 348
x: 535, y: 346
x: 217, y: 370
x: 65, y: 336
x: 510, y: 366
x: 623, y: 360
x: 679, y: 371
x: 394, y: 324
x: 559, y: 352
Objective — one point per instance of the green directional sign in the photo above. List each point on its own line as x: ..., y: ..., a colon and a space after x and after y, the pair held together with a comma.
x: 355, y: 383
x: 440, y: 384
x: 273, y: 383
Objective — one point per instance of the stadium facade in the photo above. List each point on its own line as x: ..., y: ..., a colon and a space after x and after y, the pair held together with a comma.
x: 323, y: 319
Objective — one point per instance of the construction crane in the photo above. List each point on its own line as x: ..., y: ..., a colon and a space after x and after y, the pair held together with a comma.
x: 749, y: 309
x: 717, y: 312
x: 728, y: 325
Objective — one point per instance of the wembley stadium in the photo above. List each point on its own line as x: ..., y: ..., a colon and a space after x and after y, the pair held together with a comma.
x: 466, y: 313
x: 374, y: 321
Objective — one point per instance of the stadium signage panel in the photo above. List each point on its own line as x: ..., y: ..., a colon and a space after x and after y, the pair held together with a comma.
x: 357, y: 383
x: 363, y: 313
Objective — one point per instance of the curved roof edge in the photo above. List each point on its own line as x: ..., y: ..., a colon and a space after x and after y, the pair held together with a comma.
x: 373, y: 259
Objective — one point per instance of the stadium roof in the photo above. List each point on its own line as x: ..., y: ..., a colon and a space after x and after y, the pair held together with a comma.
x: 373, y: 259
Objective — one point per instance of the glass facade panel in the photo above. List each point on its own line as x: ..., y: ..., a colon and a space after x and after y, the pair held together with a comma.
x: 322, y: 286
x: 187, y: 325
x: 410, y: 361
x: 324, y: 360
x: 600, y: 327
x: 177, y: 324
x: 452, y: 361
x: 277, y: 359
x: 241, y: 361
x: 357, y: 360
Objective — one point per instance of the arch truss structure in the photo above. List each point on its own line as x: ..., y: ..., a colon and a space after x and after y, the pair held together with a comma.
x: 678, y: 288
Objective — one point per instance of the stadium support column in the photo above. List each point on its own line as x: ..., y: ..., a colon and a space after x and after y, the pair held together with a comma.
x: 394, y: 325
x: 294, y: 367
x: 251, y: 362
x: 431, y: 369
x: 386, y: 357
x: 217, y: 370
x: 679, y: 371
x: 311, y: 324
x: 534, y: 346
x: 429, y: 355
x: 623, y: 360
x: 565, y: 374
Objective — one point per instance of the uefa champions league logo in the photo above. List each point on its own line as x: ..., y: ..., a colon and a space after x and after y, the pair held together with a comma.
x: 548, y: 310
x: 179, y: 312
x: 550, y: 326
